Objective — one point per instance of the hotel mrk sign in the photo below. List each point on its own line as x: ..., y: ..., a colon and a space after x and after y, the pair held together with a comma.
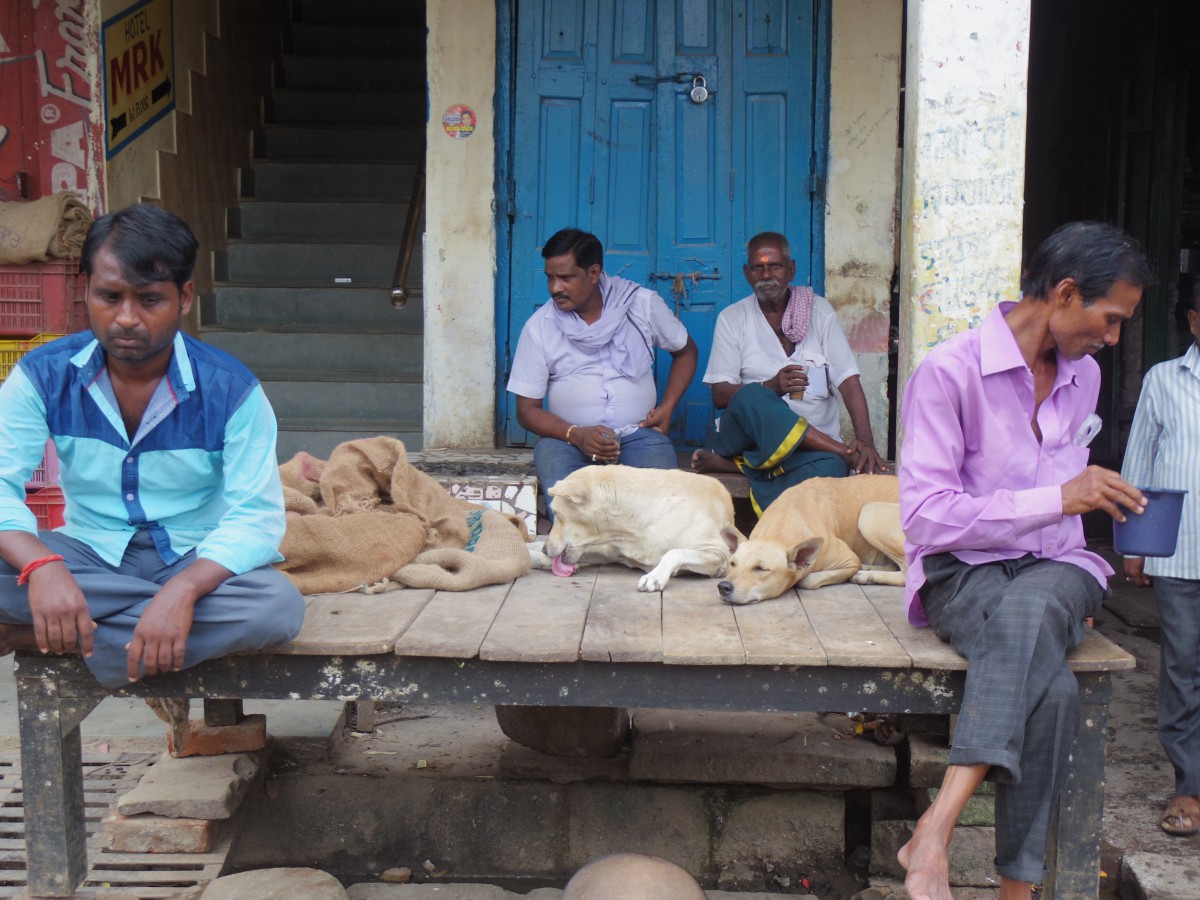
x: 139, y: 68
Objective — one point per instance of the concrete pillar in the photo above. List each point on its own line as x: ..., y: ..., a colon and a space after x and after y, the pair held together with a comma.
x: 964, y: 167
x: 460, y: 234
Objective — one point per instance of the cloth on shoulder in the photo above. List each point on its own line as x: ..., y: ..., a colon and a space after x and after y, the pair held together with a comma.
x: 36, y: 230
x: 368, y: 520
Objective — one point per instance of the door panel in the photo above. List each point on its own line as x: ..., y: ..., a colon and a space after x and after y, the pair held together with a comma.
x: 672, y: 187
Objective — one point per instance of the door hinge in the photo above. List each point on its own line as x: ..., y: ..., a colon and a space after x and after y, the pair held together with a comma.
x: 816, y: 179
x: 592, y: 189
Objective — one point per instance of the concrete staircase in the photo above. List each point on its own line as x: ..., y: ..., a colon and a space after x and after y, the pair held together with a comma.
x: 301, y: 293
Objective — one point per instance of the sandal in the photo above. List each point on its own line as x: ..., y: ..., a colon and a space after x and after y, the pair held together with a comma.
x: 1182, y: 817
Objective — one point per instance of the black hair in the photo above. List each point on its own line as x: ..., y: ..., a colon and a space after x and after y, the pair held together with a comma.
x: 151, y: 243
x: 770, y: 237
x: 1094, y: 254
x: 583, y: 245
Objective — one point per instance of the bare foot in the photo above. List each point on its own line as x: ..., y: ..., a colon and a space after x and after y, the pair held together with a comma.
x: 16, y: 637
x: 706, y: 462
x: 926, y: 861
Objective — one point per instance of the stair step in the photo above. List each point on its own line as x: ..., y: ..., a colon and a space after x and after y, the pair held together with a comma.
x: 359, y: 12
x: 383, y: 357
x: 344, y: 401
x: 327, y: 181
x: 337, y: 308
x: 312, y: 263
x: 333, y: 107
x: 357, y: 40
x: 323, y: 220
x: 343, y: 143
x: 320, y: 440
x: 353, y: 73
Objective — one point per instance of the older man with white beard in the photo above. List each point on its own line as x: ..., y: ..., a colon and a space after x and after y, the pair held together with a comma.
x: 776, y: 356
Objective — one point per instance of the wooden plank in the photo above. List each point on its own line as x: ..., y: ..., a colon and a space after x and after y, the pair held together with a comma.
x: 699, y: 629
x: 928, y: 651
x: 353, y: 624
x: 454, y: 623
x: 623, y: 623
x: 542, y: 618
x: 850, y: 629
x: 778, y: 633
x: 1098, y: 654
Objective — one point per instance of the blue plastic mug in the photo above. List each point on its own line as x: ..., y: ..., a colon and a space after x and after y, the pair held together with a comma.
x: 1156, y: 531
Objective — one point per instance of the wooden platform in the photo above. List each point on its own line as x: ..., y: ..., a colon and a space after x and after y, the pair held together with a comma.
x: 588, y: 640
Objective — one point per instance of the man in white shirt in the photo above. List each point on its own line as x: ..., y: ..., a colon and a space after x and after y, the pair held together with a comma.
x: 776, y: 356
x: 589, y: 355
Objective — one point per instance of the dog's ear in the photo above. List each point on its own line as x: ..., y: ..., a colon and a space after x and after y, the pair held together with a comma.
x: 732, y: 536
x: 572, y: 489
x: 802, y: 555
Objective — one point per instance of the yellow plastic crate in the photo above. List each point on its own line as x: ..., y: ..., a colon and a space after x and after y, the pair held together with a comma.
x: 11, y: 351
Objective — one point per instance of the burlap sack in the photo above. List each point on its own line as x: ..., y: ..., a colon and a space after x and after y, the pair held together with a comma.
x: 496, y: 554
x: 35, y: 230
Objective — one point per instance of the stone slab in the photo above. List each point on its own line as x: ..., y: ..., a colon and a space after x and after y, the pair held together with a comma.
x: 1154, y: 876
x: 663, y: 821
x: 972, y: 853
x: 268, y: 884
x: 774, y: 839
x: 928, y: 757
x: 198, y: 787
x: 755, y: 748
x: 588, y: 732
x: 980, y: 808
x: 893, y: 889
x: 520, y: 762
x: 368, y: 891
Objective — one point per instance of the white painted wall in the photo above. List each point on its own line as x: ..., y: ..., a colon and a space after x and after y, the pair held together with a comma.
x: 964, y: 167
x: 460, y: 237
x: 863, y: 187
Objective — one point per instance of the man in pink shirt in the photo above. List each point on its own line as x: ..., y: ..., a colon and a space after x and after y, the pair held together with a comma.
x: 994, y: 477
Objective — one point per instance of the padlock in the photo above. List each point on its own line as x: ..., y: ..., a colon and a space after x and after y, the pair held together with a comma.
x: 699, y: 89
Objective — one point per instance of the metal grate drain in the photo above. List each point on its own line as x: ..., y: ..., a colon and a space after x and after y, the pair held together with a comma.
x: 105, y: 778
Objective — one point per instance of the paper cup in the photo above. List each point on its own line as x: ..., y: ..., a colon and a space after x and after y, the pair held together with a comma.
x: 1156, y: 531
x: 796, y: 395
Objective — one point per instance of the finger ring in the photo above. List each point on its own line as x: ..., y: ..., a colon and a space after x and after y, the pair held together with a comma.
x: 593, y: 457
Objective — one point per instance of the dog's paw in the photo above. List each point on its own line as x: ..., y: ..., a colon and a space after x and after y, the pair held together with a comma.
x: 860, y: 577
x: 537, y: 555
x: 652, y: 581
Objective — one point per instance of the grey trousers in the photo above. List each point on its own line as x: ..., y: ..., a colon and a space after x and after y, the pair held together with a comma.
x: 1014, y: 621
x: 246, y: 612
x: 1179, y: 679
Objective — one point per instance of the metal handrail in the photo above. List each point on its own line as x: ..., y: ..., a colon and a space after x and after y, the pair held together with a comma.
x: 416, y: 202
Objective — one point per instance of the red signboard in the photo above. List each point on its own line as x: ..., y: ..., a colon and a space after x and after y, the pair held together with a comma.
x: 51, y: 136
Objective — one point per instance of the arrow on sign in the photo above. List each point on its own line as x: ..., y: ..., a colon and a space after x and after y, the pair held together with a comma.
x: 118, y: 124
x: 160, y: 90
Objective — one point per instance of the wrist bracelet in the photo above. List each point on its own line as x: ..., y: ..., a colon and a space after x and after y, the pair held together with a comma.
x: 33, y: 565
x: 569, y: 430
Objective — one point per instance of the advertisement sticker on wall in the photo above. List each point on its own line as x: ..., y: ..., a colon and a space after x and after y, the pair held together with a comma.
x: 459, y: 121
x: 139, y: 65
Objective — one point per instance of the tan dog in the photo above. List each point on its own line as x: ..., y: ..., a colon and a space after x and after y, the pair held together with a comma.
x: 660, y: 520
x: 822, y: 531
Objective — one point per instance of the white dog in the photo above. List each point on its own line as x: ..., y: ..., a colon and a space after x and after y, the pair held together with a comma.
x: 660, y: 520
x: 822, y: 531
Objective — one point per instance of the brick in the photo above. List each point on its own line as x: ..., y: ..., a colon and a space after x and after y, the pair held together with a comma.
x: 246, y: 736
x: 662, y: 821
x: 972, y: 853
x: 159, y: 834
x: 295, y: 883
x: 754, y: 748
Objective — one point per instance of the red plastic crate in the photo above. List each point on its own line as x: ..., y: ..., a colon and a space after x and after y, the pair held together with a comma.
x: 46, y: 474
x: 48, y: 505
x: 45, y: 296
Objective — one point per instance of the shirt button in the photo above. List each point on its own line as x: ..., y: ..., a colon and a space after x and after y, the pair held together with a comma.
x: 129, y: 497
x: 129, y: 461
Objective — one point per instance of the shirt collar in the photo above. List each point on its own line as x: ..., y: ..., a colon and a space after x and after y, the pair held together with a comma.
x: 1191, y: 359
x: 90, y: 362
x: 998, y: 350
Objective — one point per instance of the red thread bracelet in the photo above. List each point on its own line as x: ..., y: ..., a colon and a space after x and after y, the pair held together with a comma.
x: 34, y: 565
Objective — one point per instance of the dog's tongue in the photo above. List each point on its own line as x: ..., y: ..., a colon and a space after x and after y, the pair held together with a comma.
x: 563, y: 569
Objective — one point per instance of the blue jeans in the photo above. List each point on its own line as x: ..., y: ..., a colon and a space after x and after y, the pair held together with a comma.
x: 1179, y: 673
x: 245, y: 612
x: 646, y: 448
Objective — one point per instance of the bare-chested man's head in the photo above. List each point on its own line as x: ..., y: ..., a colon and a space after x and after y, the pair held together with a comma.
x: 632, y: 876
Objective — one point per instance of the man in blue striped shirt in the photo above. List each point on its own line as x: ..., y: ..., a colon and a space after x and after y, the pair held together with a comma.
x: 174, y: 509
x: 1164, y: 452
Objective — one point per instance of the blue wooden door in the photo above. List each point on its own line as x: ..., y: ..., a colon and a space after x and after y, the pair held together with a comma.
x: 608, y: 137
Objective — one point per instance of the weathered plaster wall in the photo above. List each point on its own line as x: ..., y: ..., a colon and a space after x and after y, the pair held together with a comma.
x: 188, y: 161
x: 460, y: 237
x: 862, y: 192
x: 964, y: 166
